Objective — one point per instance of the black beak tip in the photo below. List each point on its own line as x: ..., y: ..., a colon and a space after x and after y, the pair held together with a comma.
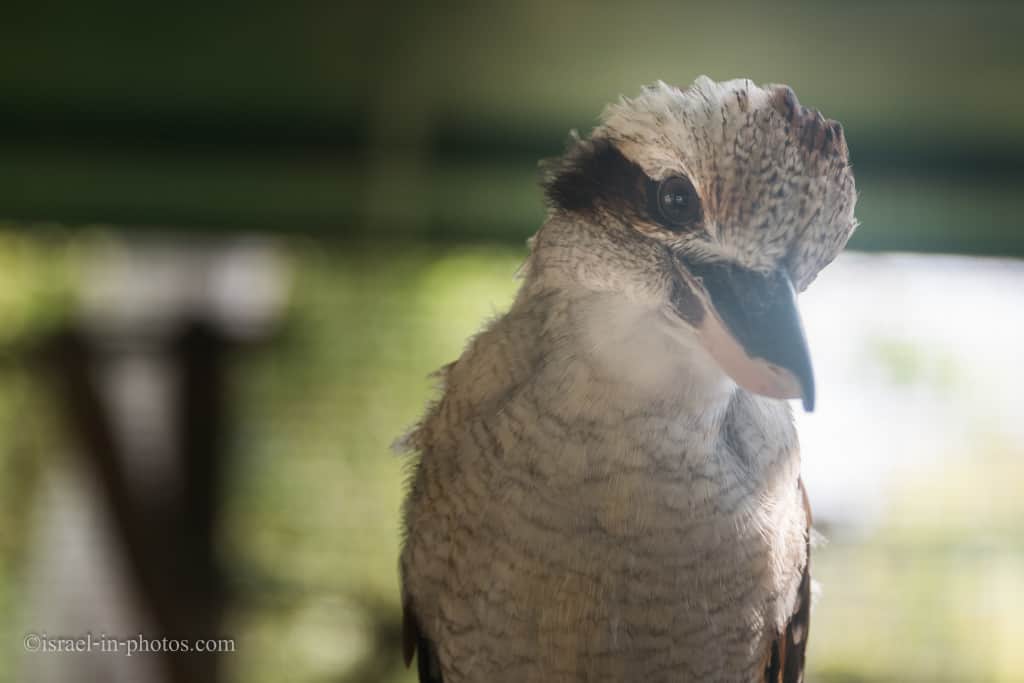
x: 808, y: 398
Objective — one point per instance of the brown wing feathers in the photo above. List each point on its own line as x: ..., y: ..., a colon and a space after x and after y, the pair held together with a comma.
x: 413, y: 643
x: 786, y: 660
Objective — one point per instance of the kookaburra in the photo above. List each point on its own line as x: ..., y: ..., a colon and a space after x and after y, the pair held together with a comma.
x: 608, y: 488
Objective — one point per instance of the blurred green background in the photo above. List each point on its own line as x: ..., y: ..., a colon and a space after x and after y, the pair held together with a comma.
x: 390, y: 151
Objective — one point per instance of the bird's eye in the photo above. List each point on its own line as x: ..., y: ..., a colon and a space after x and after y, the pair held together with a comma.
x: 678, y: 204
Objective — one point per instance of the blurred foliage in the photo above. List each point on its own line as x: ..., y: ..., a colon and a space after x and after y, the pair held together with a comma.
x: 906, y: 364
x: 35, y: 283
x: 935, y: 593
x: 35, y: 277
x: 314, y: 514
x: 311, y: 534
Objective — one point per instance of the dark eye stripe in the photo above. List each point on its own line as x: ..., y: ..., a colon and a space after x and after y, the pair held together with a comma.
x: 594, y: 175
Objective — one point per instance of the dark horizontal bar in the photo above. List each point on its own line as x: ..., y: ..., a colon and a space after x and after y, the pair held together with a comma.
x: 315, y: 175
x: 227, y: 132
x: 454, y: 139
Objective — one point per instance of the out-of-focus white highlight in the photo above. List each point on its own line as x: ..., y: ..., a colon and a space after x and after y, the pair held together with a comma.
x: 918, y: 359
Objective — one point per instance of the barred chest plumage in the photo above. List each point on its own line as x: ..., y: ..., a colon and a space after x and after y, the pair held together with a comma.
x: 569, y: 523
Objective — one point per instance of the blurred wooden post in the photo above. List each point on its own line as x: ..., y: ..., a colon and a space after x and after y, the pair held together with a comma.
x: 141, y: 379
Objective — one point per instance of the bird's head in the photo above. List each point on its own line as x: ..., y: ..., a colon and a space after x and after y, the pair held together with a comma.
x: 713, y: 206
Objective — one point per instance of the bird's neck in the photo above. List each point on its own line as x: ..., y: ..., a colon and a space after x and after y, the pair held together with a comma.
x: 565, y: 389
x: 607, y: 355
x: 593, y: 384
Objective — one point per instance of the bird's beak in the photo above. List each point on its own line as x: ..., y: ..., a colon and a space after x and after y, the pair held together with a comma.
x: 752, y: 329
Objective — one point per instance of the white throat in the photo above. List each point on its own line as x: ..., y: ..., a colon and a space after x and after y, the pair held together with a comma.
x: 653, y: 356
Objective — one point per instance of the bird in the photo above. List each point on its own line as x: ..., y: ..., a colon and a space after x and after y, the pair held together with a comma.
x: 607, y: 485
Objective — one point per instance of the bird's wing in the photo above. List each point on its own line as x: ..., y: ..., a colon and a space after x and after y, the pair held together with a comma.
x: 413, y: 642
x: 786, y: 658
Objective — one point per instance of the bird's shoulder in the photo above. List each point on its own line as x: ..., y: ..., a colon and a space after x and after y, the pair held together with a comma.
x: 495, y: 364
